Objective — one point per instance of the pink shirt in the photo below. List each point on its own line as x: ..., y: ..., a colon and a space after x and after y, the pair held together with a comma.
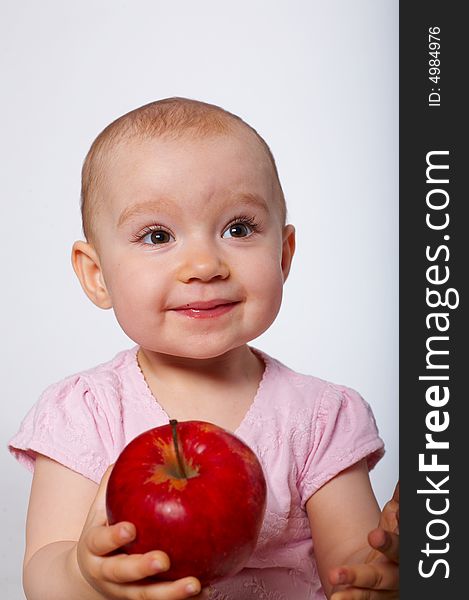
x: 303, y: 429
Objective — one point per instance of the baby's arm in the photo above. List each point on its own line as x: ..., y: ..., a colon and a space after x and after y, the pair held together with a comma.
x: 67, y: 539
x: 344, y: 516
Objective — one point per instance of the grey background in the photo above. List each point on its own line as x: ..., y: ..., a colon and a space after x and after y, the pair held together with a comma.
x: 318, y: 79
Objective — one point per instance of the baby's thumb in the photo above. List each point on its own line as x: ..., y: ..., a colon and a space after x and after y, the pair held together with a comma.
x: 97, y: 513
x: 389, y: 519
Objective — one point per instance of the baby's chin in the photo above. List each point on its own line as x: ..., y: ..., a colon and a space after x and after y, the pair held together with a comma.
x: 199, y: 354
x: 208, y: 352
x: 200, y: 345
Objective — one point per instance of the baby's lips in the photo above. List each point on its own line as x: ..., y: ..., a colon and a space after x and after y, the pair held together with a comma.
x: 204, y: 304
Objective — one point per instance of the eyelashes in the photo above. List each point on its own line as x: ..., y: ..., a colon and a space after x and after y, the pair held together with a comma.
x: 241, y: 226
x: 152, y: 231
x: 245, y: 221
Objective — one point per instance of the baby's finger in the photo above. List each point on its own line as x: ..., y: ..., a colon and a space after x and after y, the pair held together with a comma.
x: 363, y: 594
x: 128, y: 568
x: 168, y: 590
x: 376, y: 576
x: 103, y: 539
x: 389, y: 518
x: 97, y: 513
x: 385, y: 542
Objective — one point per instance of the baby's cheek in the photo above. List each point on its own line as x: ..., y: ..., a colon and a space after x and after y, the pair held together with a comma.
x: 267, y: 278
x: 135, y: 309
x: 267, y: 291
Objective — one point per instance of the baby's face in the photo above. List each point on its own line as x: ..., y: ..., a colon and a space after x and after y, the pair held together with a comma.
x: 191, y: 244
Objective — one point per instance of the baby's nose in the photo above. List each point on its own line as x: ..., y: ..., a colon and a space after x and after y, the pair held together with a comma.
x: 203, y: 263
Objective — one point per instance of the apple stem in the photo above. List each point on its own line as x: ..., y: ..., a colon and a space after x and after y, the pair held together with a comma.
x: 182, y: 471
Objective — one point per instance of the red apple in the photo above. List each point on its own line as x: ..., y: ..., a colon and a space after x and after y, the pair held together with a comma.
x: 193, y: 490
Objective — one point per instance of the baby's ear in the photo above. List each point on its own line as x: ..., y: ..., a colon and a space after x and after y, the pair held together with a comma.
x: 87, y: 267
x: 288, y: 249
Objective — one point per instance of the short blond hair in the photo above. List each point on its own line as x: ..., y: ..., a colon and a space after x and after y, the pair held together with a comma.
x: 170, y: 117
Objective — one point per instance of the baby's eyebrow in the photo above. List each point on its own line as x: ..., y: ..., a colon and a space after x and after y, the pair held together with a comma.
x: 244, y: 199
x: 250, y: 199
x: 141, y: 208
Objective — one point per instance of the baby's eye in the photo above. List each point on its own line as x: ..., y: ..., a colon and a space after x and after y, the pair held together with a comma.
x: 239, y: 230
x: 156, y: 237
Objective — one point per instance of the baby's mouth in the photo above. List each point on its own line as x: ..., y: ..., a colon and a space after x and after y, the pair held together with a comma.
x: 206, y: 309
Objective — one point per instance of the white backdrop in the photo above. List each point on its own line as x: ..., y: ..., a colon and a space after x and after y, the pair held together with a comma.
x: 318, y: 79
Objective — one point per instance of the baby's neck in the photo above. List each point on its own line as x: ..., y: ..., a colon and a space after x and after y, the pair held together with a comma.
x: 218, y: 390
x: 233, y: 367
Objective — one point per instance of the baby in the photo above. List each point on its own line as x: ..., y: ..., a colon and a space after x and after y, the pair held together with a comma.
x: 186, y: 240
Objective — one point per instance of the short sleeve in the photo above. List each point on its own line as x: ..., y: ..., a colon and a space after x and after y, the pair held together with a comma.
x: 69, y: 425
x: 345, y: 432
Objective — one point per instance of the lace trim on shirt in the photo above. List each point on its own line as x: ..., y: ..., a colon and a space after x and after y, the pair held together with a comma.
x: 254, y: 586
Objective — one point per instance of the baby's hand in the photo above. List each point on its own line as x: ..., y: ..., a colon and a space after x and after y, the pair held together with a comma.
x: 378, y: 576
x: 118, y: 577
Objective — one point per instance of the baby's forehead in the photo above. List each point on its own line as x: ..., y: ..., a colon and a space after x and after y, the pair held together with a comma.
x: 136, y: 187
x: 192, y: 164
x: 122, y: 147
x: 187, y: 157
